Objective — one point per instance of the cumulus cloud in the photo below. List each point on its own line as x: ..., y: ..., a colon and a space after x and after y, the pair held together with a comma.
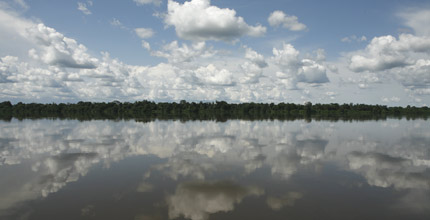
x: 197, y: 200
x: 84, y: 8
x: 415, y: 76
x: 253, y: 67
x: 111, y: 79
x: 145, y: 2
x: 294, y: 70
x: 289, y: 22
x: 213, y: 76
x: 59, y: 67
x: 197, y: 20
x: 387, y: 52
x: 177, y: 54
x: 56, y: 49
x: 255, y: 58
x: 404, y: 59
x: 144, y: 33
x: 9, y: 67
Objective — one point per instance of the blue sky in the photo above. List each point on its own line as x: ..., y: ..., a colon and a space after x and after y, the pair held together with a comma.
x: 375, y: 52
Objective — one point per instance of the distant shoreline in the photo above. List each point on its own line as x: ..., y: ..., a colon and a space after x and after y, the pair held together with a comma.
x: 218, y: 110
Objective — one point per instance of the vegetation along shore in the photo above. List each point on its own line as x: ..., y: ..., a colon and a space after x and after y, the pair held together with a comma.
x: 219, y: 110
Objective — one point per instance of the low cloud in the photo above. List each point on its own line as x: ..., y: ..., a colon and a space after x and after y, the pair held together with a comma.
x: 404, y: 59
x: 197, y: 20
x: 293, y: 69
x: 184, y: 53
x: 387, y: 52
x: 58, y: 50
x: 211, y: 75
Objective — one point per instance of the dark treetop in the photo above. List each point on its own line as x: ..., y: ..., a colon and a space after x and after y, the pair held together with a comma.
x: 219, y: 110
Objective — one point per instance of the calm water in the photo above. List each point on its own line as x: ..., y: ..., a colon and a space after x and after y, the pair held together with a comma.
x: 54, y: 169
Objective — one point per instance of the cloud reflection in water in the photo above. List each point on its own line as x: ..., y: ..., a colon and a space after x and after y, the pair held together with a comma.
x: 46, y: 155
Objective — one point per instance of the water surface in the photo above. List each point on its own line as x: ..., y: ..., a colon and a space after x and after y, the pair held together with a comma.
x: 67, y: 169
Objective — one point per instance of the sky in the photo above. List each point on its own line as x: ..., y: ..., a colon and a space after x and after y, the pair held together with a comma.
x: 334, y: 51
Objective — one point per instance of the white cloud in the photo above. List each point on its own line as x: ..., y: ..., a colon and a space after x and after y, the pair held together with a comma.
x: 117, y: 23
x: 146, y: 45
x: 295, y: 70
x: 255, y: 58
x: 83, y: 8
x: 253, y: 68
x: 415, y: 76
x: 289, y: 22
x: 387, y: 52
x: 213, y: 76
x: 145, y: 2
x: 404, y: 59
x: 144, y: 33
x: 417, y: 19
x: 392, y: 99
x: 354, y: 38
x: 185, y: 53
x: 197, y: 20
x: 56, y: 49
x: 60, y: 68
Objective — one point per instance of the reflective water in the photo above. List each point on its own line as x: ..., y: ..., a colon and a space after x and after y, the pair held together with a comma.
x: 65, y: 169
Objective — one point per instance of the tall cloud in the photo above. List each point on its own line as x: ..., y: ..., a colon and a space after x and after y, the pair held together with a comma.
x: 56, y: 49
x: 295, y: 70
x: 253, y: 67
x: 213, y: 76
x: 199, y: 21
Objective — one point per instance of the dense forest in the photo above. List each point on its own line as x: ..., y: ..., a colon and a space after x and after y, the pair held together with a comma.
x: 219, y: 110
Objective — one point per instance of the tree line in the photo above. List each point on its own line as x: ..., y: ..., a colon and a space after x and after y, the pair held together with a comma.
x: 219, y: 110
